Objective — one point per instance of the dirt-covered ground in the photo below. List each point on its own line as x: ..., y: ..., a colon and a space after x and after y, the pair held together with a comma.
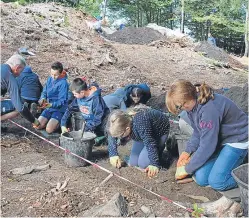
x: 55, y: 33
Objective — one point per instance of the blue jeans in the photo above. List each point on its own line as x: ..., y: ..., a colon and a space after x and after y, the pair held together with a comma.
x: 7, y: 106
x: 216, y: 172
x: 139, y: 154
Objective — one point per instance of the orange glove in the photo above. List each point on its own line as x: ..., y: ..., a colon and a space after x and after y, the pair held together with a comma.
x: 181, y: 173
x: 183, y: 159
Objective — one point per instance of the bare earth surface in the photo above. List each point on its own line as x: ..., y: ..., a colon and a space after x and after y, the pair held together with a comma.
x: 112, y: 65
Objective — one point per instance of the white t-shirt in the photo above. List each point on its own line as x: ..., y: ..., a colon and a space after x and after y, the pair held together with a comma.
x: 240, y: 145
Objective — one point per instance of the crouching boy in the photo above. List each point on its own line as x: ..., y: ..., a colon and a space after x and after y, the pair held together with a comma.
x: 89, y: 102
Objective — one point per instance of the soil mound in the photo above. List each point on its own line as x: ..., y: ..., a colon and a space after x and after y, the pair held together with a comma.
x: 216, y: 53
x: 239, y: 95
x: 132, y: 35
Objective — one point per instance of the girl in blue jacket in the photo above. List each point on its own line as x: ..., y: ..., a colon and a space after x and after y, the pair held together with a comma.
x: 54, y: 98
x: 89, y: 102
x: 219, y: 142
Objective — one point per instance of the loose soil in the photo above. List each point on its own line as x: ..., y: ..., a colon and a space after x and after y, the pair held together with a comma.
x: 41, y: 28
x: 132, y: 35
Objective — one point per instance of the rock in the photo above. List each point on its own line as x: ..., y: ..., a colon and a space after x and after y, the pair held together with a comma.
x: 145, y: 210
x: 179, y: 214
x: 116, y: 207
x: 152, y: 215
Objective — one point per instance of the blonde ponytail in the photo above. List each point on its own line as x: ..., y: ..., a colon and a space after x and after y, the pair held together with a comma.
x: 205, y: 93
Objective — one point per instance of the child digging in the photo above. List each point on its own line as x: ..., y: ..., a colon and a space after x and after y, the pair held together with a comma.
x: 54, y: 98
x: 149, y: 131
x: 89, y: 102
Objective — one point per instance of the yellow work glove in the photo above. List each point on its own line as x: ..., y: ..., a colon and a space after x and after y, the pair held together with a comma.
x: 47, y: 105
x: 152, y: 170
x: 64, y: 129
x: 183, y: 159
x: 115, y: 161
x: 36, y: 123
x: 181, y: 173
x: 42, y: 101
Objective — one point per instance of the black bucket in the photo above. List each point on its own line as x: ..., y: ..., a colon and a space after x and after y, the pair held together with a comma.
x: 73, y: 142
x: 240, y: 174
x: 77, y: 121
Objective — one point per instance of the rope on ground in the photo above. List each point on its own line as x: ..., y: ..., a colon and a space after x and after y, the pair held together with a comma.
x: 104, y: 169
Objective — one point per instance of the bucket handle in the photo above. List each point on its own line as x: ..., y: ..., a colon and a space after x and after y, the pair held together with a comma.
x: 83, y: 128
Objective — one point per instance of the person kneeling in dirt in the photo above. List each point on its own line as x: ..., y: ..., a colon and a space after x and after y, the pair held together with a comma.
x: 30, y: 88
x: 89, y: 102
x: 114, y: 101
x: 134, y: 94
x: 148, y: 128
x: 11, y: 108
x: 54, y: 98
x: 220, y: 139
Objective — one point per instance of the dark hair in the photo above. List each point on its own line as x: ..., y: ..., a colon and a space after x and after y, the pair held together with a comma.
x: 78, y: 85
x: 57, y: 66
x: 137, y: 92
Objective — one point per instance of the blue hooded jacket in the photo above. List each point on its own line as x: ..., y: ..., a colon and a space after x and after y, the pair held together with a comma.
x: 92, y: 108
x: 29, y: 84
x: 126, y: 91
x: 56, y: 93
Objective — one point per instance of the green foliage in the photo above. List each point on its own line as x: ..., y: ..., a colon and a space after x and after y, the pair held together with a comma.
x: 198, y: 212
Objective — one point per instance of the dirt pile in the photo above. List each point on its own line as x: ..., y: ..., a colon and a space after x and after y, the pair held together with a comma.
x: 239, y: 95
x: 218, y: 54
x: 131, y: 35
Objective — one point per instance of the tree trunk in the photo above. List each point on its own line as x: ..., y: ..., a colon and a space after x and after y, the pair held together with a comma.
x: 247, y: 32
x: 182, y: 17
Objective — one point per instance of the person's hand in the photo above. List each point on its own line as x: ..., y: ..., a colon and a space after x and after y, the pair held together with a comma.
x: 115, y: 161
x: 180, y: 173
x: 152, y: 170
x: 36, y: 123
x: 42, y: 101
x: 64, y: 129
x: 47, y: 105
x: 183, y: 159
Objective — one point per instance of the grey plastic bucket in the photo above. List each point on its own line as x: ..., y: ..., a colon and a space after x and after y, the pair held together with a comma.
x: 77, y: 121
x: 73, y: 142
x: 240, y: 174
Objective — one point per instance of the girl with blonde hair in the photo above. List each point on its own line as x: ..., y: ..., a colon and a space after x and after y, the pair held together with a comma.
x: 219, y: 142
x: 148, y: 129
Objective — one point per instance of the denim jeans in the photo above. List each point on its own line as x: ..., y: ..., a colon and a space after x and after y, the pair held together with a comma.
x: 7, y: 106
x: 216, y: 172
x: 139, y: 154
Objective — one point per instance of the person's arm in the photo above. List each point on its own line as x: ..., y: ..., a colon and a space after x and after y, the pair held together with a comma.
x: 112, y: 146
x: 149, y: 141
x: 210, y: 127
x: 98, y: 112
x: 63, y: 94
x: 122, y: 105
x: 13, y: 90
x: 68, y: 113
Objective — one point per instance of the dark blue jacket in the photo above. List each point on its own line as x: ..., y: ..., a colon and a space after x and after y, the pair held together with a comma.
x: 9, y: 84
x: 29, y: 84
x: 215, y: 123
x: 126, y: 91
x: 148, y: 126
x: 92, y: 108
x: 56, y: 93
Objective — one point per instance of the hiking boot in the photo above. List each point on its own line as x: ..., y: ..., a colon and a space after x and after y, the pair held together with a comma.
x: 33, y: 109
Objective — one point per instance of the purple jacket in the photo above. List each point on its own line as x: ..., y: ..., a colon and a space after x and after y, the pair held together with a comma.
x: 215, y: 123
